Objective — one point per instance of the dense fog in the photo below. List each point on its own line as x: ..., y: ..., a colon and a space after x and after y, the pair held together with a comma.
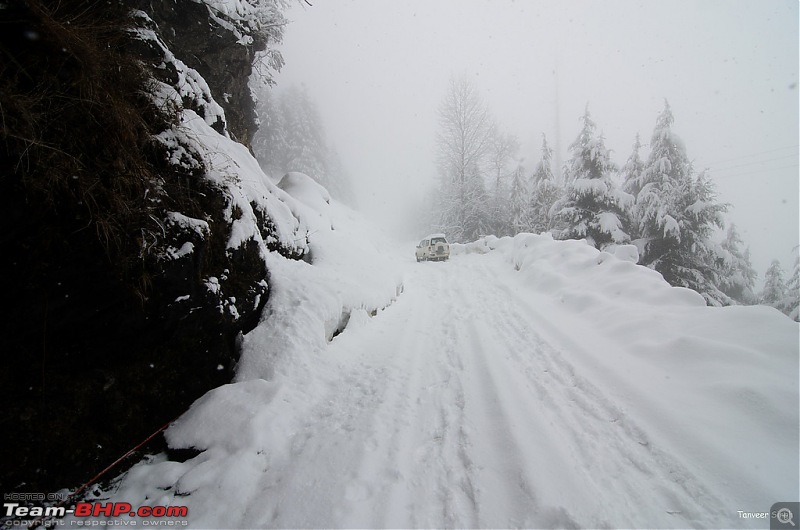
x: 378, y: 73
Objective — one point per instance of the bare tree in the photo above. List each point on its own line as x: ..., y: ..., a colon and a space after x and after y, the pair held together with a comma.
x: 464, y: 142
x: 504, y: 149
x: 465, y: 130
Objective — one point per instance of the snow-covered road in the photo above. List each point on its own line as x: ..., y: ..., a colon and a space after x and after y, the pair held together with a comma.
x: 453, y: 410
x: 524, y: 383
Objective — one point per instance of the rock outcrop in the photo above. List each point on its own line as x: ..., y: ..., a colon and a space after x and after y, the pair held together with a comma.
x: 221, y: 46
x: 124, y: 291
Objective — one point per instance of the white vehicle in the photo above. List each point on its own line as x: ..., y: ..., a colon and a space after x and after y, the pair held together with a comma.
x: 433, y: 248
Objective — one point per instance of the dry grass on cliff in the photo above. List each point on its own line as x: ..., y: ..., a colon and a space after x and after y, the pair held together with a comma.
x: 76, y: 125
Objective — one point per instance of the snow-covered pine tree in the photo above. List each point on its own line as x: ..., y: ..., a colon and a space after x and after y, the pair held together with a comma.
x: 499, y: 216
x: 291, y: 137
x: 269, y: 141
x: 519, y: 203
x: 545, y: 192
x: 544, y: 169
x: 678, y: 214
x: 463, y: 210
x: 774, y: 291
x: 694, y: 260
x: 307, y: 150
x: 475, y: 201
x: 791, y: 302
x: 667, y: 169
x: 631, y: 173
x: 593, y: 207
x: 737, y: 277
x: 504, y: 148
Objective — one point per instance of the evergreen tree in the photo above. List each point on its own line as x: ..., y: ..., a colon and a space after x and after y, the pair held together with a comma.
x: 306, y: 150
x: 498, y: 212
x: 475, y: 200
x: 545, y: 193
x: 791, y: 301
x: 291, y: 137
x: 693, y: 261
x: 678, y: 214
x: 631, y: 173
x: 463, y: 210
x: 774, y: 291
x: 593, y: 208
x: 503, y: 149
x: 737, y: 277
x: 269, y: 141
x: 519, y: 203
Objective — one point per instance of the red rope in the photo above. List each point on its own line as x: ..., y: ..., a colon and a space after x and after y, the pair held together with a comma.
x: 117, y: 461
x: 103, y: 472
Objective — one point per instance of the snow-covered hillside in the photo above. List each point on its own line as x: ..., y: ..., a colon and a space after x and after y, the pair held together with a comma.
x: 526, y: 382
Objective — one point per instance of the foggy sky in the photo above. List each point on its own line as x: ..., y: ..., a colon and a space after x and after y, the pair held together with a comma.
x: 378, y: 70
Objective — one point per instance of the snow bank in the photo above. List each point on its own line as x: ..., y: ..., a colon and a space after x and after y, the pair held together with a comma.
x: 585, y: 278
x: 720, y: 384
x: 352, y: 268
x: 481, y: 246
x: 246, y: 427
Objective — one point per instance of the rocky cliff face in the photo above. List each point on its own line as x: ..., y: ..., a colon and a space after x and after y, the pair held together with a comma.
x: 221, y: 46
x: 125, y: 291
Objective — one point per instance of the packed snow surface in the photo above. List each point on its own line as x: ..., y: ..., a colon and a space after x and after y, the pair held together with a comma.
x: 524, y: 383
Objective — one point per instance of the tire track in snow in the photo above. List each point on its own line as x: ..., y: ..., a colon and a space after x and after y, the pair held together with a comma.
x: 316, y: 481
x: 625, y: 467
x: 313, y: 482
x: 511, y: 445
x: 414, y: 471
x: 449, y: 409
x: 428, y: 447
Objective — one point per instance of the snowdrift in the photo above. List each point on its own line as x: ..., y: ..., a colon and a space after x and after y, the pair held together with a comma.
x: 721, y: 384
